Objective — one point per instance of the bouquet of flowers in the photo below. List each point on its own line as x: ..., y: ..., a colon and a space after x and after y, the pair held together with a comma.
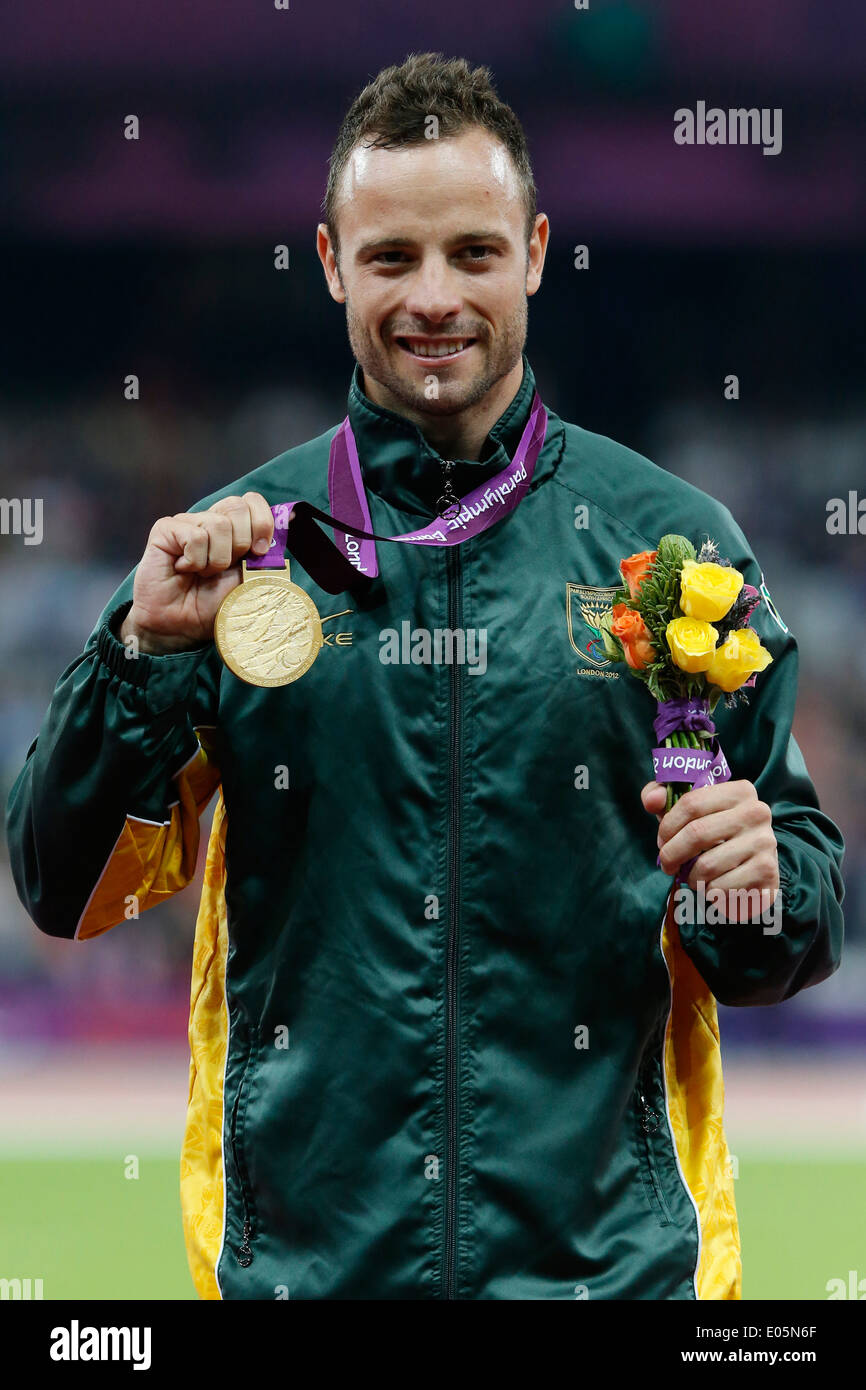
x: 681, y: 623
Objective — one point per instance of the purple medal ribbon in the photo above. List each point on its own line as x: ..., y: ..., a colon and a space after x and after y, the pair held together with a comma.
x: 335, y: 566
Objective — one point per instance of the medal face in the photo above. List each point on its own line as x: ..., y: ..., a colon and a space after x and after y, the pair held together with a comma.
x: 267, y: 630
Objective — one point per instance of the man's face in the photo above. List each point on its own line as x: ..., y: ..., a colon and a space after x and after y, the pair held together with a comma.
x: 433, y: 260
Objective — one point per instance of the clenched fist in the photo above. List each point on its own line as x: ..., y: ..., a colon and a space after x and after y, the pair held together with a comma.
x: 729, y: 829
x: 191, y: 562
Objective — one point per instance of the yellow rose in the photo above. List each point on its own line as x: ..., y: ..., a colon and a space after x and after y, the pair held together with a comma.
x: 734, y: 661
x: 692, y: 643
x: 708, y: 591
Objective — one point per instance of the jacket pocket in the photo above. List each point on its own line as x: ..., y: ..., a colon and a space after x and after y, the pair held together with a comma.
x: 649, y: 1122
x: 244, y: 1252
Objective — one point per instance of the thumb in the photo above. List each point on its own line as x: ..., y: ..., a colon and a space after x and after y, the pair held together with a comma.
x: 654, y: 797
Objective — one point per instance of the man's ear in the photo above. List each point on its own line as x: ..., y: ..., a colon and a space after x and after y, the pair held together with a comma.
x: 330, y: 265
x: 537, y: 252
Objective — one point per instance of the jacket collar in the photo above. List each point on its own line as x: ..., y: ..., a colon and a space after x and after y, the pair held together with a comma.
x: 401, y: 467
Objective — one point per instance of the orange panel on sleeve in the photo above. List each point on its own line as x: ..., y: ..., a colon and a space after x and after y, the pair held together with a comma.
x: 151, y: 862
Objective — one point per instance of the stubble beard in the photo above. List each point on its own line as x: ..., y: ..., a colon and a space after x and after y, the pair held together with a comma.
x: 497, y: 360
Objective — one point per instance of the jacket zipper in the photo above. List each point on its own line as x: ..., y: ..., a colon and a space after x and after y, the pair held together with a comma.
x: 244, y: 1251
x: 455, y: 616
x: 650, y: 1121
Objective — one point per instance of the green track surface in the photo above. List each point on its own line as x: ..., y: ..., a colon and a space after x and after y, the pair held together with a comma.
x: 89, y: 1232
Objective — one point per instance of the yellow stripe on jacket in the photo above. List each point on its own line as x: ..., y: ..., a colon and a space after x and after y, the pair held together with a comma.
x: 696, y: 1098
x: 202, y: 1182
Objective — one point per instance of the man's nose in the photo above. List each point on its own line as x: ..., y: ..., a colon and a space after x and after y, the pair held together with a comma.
x: 433, y: 291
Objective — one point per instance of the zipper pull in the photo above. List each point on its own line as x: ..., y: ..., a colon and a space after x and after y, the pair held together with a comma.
x: 650, y: 1120
x: 245, y: 1254
x: 448, y: 505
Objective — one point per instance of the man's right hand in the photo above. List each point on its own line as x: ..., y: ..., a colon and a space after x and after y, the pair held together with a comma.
x: 191, y: 562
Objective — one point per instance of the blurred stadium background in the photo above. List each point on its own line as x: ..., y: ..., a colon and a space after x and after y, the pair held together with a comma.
x: 157, y: 257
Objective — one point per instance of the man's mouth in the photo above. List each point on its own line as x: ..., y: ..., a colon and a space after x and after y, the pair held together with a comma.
x: 435, y: 349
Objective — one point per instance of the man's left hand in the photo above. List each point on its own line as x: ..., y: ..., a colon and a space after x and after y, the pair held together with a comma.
x: 728, y: 828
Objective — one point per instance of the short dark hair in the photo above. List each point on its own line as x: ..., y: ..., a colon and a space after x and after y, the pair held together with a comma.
x: 392, y: 110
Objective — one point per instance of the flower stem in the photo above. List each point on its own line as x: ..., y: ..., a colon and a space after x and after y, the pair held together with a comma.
x: 681, y: 739
x: 668, y: 788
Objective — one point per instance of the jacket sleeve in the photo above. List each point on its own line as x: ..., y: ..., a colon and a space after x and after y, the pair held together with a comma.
x: 102, y: 821
x: 765, y: 961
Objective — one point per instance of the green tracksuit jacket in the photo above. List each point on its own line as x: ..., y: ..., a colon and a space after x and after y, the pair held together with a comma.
x: 447, y: 1039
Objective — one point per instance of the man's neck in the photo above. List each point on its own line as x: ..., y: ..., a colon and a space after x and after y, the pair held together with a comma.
x: 458, y: 436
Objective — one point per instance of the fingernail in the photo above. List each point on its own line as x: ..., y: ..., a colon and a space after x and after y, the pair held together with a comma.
x: 261, y: 545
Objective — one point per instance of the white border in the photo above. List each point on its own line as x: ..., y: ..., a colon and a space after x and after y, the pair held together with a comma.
x: 75, y: 936
x: 191, y: 759
x: 223, y: 1116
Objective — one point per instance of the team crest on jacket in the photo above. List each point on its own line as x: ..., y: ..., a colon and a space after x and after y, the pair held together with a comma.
x: 584, y: 605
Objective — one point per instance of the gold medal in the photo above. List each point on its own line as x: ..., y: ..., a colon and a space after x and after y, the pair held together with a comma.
x: 267, y: 630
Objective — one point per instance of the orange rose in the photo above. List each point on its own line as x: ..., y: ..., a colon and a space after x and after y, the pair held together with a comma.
x: 634, y: 635
x: 634, y: 569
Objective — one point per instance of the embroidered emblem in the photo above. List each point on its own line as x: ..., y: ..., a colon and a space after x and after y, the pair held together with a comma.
x: 584, y: 606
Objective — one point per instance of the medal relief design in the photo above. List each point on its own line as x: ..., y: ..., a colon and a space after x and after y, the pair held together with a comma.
x: 268, y: 631
x: 585, y: 604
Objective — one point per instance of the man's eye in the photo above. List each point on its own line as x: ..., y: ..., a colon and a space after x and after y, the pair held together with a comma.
x: 476, y: 253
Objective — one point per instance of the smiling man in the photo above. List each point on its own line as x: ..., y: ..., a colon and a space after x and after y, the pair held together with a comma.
x: 440, y: 246
x: 448, y: 1040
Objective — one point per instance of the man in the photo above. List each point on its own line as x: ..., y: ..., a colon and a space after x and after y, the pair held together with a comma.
x: 447, y: 1040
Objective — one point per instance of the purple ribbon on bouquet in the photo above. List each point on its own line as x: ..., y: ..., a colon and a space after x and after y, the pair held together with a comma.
x: 691, y: 715
x: 700, y: 767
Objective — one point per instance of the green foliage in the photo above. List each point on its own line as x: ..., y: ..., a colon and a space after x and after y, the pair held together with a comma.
x: 674, y: 550
x: 658, y: 596
x: 612, y: 645
x: 657, y: 602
